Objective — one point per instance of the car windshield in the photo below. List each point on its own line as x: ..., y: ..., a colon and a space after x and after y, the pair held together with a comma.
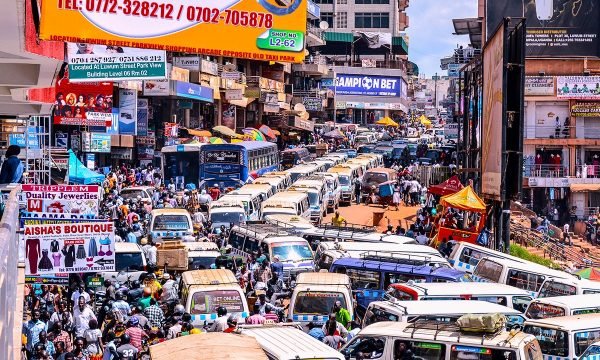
x: 129, y: 261
x: 200, y: 262
x: 292, y: 252
x: 375, y: 178
x: 591, y: 351
x: 171, y: 222
x: 344, y: 180
x: 133, y: 194
x: 313, y: 199
x: 207, y: 302
x: 317, y: 302
x: 226, y: 217
x: 552, y: 341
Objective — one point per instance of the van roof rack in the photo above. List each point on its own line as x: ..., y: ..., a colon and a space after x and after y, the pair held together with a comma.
x: 348, y: 229
x: 440, y: 326
x: 396, y: 257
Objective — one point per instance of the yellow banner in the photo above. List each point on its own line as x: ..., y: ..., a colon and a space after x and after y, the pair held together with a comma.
x: 270, y: 30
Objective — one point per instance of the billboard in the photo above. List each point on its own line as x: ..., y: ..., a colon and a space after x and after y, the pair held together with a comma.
x: 585, y: 109
x: 554, y: 28
x: 349, y: 84
x: 128, y: 102
x: 89, y: 62
x: 268, y: 30
x: 62, y: 199
x: 83, y: 104
x: 95, y: 142
x: 539, y: 85
x: 578, y: 87
x: 493, y: 114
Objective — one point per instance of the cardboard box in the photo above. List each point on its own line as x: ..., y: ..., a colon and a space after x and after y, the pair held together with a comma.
x: 175, y: 259
x: 127, y: 141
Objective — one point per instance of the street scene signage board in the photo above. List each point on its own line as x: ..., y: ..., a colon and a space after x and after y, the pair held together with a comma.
x: 89, y: 62
x: 266, y: 30
x: 83, y: 104
x: 69, y: 248
x: 578, y: 87
x: 350, y: 84
x: 539, y: 85
x: 59, y: 199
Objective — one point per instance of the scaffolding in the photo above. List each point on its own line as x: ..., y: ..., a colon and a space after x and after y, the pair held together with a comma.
x: 38, y: 161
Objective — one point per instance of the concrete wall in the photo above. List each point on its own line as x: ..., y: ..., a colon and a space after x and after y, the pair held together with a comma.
x: 11, y: 283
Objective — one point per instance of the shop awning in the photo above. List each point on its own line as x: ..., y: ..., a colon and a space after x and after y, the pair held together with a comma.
x: 242, y: 103
x: 465, y: 199
x: 584, y: 187
x: 339, y: 36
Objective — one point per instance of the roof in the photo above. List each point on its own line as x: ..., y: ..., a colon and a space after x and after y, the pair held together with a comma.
x: 322, y: 278
x: 572, y: 301
x: 447, y: 307
x: 381, y: 170
x: 209, y: 277
x: 339, y: 169
x: 185, y: 147
x: 450, y: 186
x: 301, y: 168
x: 575, y: 322
x: 213, y: 346
x: 170, y: 211
x: 529, y: 266
x: 248, y: 145
x: 424, y: 270
x: 201, y: 246
x: 467, y: 288
x: 284, y: 239
x: 294, y: 150
x: 138, y: 188
x: 404, y: 330
x: 583, y: 283
x: 471, y: 27
x: 287, y: 196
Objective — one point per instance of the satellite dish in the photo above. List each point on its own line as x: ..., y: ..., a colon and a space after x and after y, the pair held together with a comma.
x: 323, y: 25
x: 299, y: 107
x: 229, y: 67
x: 304, y: 116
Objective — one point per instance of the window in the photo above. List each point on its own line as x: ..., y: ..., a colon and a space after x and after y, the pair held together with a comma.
x: 520, y: 303
x: 524, y: 280
x: 372, y: 347
x: 236, y: 240
x: 326, y: 16
x: 368, y: 2
x: 341, y: 18
x: 324, y: 2
x: 394, y: 278
x: 489, y: 270
x: 551, y: 288
x: 250, y: 246
x: 584, y: 339
x: 552, y: 341
x: 363, y: 279
x: 376, y: 314
x: 419, y: 350
x: 471, y: 256
x: 342, y: 2
x: 372, y: 20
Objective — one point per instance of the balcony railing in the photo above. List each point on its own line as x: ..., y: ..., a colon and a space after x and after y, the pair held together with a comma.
x: 587, y: 171
x: 548, y: 171
x: 551, y: 132
x: 315, y: 31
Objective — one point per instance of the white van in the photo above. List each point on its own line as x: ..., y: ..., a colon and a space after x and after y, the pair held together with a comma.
x: 524, y: 275
x: 203, y: 291
x: 495, y: 293
x: 376, y: 159
x: 316, y: 190
x: 565, y: 337
x: 277, y: 183
x: 301, y: 170
x: 346, y: 177
x: 391, y: 340
x: 571, y: 286
x: 250, y: 201
x: 333, y: 189
x: 171, y: 224
x: 563, y: 306
x: 130, y: 263
x: 316, y: 293
x: 224, y: 212
x: 286, y: 341
x: 443, y: 311
x: 201, y: 255
x: 287, y: 178
x: 265, y: 191
x: 352, y: 234
x: 287, y: 203
x: 465, y: 256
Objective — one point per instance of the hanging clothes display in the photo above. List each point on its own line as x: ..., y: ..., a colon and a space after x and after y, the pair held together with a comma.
x: 80, y: 252
x: 69, y: 253
x: 45, y: 263
x: 56, y: 258
x: 92, y: 249
x: 32, y: 253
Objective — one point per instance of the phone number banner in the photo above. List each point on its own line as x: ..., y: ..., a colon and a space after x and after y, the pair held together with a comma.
x: 270, y: 30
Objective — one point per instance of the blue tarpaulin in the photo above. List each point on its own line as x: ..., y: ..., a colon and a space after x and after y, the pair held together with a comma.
x: 79, y: 174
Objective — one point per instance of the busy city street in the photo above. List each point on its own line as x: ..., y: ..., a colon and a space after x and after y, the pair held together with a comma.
x: 300, y: 179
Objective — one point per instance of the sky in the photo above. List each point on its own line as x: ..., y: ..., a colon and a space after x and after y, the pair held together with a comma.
x: 430, y: 31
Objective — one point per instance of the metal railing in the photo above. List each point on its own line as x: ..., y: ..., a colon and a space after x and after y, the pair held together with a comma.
x: 551, y: 132
x: 431, y: 175
x: 315, y: 31
x: 587, y: 171
x: 551, y: 171
x: 11, y: 281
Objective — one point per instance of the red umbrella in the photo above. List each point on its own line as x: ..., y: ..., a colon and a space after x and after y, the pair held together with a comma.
x: 448, y: 187
x: 267, y: 131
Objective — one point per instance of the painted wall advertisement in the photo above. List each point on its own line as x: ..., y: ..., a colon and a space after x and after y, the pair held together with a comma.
x: 585, y: 109
x: 539, y: 85
x: 260, y: 30
x: 127, y: 112
x: 69, y: 248
x: 493, y: 81
x: 142, y: 117
x: 83, y: 104
x: 95, y: 142
x: 347, y: 84
x: 554, y: 28
x: 89, y: 62
x: 578, y: 87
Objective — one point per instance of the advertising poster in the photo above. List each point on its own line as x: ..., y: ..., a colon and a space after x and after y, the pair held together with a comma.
x: 156, y: 88
x: 83, y: 104
x: 171, y: 130
x: 554, y: 27
x: 228, y: 115
x: 127, y: 112
x: 69, y: 248
x: 89, y: 62
x: 267, y: 30
x: 578, y: 87
x: 585, y: 109
x: 347, y: 84
x: 142, y: 117
x: 191, y: 63
x: 539, y: 85
x: 61, y: 140
x: 491, y: 147
x: 312, y: 103
x: 95, y: 142
x: 62, y: 199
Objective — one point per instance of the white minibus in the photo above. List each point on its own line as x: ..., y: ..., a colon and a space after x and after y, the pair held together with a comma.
x: 563, y: 306
x: 465, y: 256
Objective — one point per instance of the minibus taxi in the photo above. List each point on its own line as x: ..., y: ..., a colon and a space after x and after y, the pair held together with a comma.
x: 336, y: 160
x: 251, y: 203
x: 287, y: 203
x: 357, y: 169
x: 346, y: 177
x: 524, y: 275
x: 225, y: 212
x: 465, y: 256
x: 263, y: 190
x: 443, y: 311
x: 316, y: 190
x: 334, y: 189
x: 565, y: 337
x: 276, y: 183
x: 201, y: 255
x: 320, y: 165
x: 495, y: 293
x: 171, y: 224
x: 376, y: 159
x: 371, y: 275
x: 563, y: 306
x: 365, y: 164
x: 571, y: 286
x: 330, y: 233
x: 390, y: 340
x: 340, y: 154
x: 203, y: 291
x: 295, y: 156
x: 316, y: 293
x: 287, y: 178
x: 301, y: 170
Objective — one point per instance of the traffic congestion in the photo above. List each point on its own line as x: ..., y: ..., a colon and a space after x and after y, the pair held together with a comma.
x: 259, y: 249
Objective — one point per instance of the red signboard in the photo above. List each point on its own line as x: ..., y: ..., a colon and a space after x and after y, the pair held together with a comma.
x: 88, y: 104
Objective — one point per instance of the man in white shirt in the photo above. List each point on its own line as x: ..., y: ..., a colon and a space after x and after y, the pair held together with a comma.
x: 82, y: 314
x: 80, y: 292
x: 422, y: 239
x: 221, y: 323
x: 151, y: 254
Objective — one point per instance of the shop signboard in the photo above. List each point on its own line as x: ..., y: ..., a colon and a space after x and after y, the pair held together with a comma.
x: 209, y: 67
x: 228, y: 115
x: 252, y: 92
x: 90, y: 161
x: 270, y: 98
x: 539, y: 85
x: 69, y: 248
x: 454, y: 70
x: 191, y: 63
x: 56, y: 279
x: 156, y: 88
x: 234, y: 94
x: 300, y: 123
x: 89, y: 62
x: 83, y: 104
x: 62, y: 199
x: 192, y: 91
x: 121, y: 153
x: 231, y: 75
x: 171, y: 130
x: 95, y: 142
x: 270, y: 108
x: 578, y: 87
x: 142, y: 117
x: 554, y: 28
x: 313, y: 9
x: 258, y: 30
x: 351, y: 84
x: 179, y: 74
x: 312, y: 103
x: 19, y: 139
x: 61, y: 140
x: 585, y: 109
x: 127, y: 112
